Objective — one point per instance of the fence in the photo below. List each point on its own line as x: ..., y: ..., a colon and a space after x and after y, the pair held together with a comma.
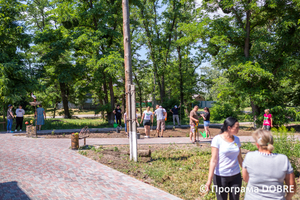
x: 203, y: 104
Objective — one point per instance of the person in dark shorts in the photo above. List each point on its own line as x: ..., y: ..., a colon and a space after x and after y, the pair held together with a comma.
x: 206, y: 118
x: 118, y: 115
x: 268, y: 120
x: 20, y: 113
x: 148, y: 120
x: 175, y: 111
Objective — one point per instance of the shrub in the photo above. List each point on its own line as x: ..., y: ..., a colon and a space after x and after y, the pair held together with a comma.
x: 285, y: 143
x: 220, y: 111
x: 249, y: 146
x: 116, y: 149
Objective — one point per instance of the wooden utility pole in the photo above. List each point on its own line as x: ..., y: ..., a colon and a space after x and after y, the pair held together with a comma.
x: 130, y: 102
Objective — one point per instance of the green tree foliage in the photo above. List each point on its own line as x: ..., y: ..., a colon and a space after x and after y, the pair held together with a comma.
x: 15, y: 83
x: 249, y: 41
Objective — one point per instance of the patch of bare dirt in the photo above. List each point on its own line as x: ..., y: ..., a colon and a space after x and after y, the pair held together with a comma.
x: 117, y: 156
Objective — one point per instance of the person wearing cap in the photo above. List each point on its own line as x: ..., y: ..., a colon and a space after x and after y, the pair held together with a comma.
x: 161, y: 116
x: 10, y: 118
x: 174, y: 111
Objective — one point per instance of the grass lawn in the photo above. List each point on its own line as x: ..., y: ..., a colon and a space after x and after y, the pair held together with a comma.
x: 49, y: 112
x: 176, y: 168
x: 60, y: 123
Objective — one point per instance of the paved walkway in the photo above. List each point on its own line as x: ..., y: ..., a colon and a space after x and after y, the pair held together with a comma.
x: 39, y: 168
x: 46, y: 169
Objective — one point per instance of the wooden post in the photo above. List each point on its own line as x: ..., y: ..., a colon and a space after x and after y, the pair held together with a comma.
x: 133, y: 125
x: 128, y: 81
x: 129, y: 124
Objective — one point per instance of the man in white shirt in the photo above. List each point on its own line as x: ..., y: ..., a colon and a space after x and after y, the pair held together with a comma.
x: 161, y: 116
x: 20, y: 113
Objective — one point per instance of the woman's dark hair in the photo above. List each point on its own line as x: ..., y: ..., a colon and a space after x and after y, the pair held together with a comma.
x: 40, y: 105
x: 206, y: 108
x: 229, y: 121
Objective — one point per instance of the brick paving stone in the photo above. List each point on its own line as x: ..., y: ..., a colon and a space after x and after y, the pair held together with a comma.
x: 37, y: 168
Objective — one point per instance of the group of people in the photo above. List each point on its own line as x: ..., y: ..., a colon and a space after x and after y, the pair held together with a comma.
x: 19, y: 118
x: 264, y: 171
x: 161, y: 118
x: 147, y: 119
x: 40, y: 114
x: 194, y: 121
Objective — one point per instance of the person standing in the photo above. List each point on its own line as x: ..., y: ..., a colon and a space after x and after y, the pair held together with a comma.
x: 161, y: 116
x: 193, y: 122
x: 174, y: 111
x: 118, y: 115
x: 267, y: 171
x: 206, y: 118
x: 268, y: 120
x: 41, y: 116
x: 148, y: 120
x: 225, y: 160
x: 10, y: 118
x: 19, y: 113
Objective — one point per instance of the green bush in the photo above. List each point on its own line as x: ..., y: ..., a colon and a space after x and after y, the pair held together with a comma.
x: 285, y: 143
x: 220, y: 111
x: 246, y: 117
x: 249, y: 146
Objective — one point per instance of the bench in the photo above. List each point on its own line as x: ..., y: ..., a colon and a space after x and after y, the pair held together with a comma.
x: 84, y: 139
x: 84, y: 133
x: 3, y: 124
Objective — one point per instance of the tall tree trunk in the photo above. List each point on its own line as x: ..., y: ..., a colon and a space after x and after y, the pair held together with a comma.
x: 153, y: 92
x: 123, y: 103
x: 141, y: 101
x: 247, y: 39
x: 162, y: 89
x: 54, y: 109
x: 124, y: 98
x: 255, y: 112
x: 110, y: 115
x: 255, y: 108
x: 63, y: 90
x: 181, y: 75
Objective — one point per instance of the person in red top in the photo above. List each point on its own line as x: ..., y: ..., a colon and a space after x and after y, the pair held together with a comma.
x: 268, y: 121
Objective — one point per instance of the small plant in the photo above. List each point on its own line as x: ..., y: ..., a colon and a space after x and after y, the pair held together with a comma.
x: 287, y: 144
x: 64, y: 135
x: 84, y: 153
x: 101, y: 156
x: 93, y: 149
x: 249, y: 146
x: 98, y: 150
x: 116, y: 149
x: 53, y: 132
x: 187, y: 135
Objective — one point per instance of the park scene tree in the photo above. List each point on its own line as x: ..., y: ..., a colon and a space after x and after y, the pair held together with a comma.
x: 230, y: 58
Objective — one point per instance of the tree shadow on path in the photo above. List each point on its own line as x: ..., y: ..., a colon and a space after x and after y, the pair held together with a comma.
x: 11, y: 190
